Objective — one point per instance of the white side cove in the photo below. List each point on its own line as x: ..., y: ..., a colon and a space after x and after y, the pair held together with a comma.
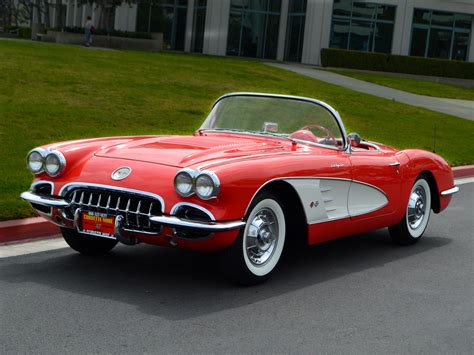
x: 331, y: 199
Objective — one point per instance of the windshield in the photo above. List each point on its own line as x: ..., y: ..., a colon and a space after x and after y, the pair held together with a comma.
x: 278, y: 116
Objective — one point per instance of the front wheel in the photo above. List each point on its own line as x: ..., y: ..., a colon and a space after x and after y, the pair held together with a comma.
x: 86, y: 244
x: 258, y: 248
x: 413, y: 224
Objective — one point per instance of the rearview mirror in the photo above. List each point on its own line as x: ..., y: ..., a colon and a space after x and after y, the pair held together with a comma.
x: 354, y: 138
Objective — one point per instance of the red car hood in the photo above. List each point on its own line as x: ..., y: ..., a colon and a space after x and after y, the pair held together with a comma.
x: 182, y: 151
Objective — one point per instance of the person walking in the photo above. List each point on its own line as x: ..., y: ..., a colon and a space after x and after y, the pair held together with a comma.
x: 88, y: 29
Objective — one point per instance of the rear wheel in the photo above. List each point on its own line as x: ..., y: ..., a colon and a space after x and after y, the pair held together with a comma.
x: 258, y: 249
x: 413, y: 224
x: 87, y: 244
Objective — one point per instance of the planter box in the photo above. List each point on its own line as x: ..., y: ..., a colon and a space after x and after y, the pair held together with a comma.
x: 153, y: 45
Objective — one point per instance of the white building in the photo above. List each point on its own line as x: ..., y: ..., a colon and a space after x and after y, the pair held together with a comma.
x: 297, y: 30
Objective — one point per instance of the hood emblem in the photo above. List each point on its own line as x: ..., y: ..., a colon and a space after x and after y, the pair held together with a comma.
x: 121, y: 173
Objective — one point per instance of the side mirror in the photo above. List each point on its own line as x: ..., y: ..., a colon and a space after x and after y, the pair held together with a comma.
x: 353, y: 139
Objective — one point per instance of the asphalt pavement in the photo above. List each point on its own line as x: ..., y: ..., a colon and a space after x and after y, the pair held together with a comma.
x: 360, y: 294
x: 460, y: 108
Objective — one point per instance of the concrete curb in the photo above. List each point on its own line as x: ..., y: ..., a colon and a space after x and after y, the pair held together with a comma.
x: 38, y: 228
x: 463, y: 171
x: 28, y: 228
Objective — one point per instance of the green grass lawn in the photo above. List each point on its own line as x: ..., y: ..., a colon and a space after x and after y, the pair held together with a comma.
x: 415, y: 86
x: 53, y: 92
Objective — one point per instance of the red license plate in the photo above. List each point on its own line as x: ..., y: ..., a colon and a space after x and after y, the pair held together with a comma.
x: 99, y: 224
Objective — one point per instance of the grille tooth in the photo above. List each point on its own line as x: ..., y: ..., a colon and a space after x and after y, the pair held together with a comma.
x: 108, y: 203
x: 135, y: 208
x: 138, y: 213
x: 126, y: 211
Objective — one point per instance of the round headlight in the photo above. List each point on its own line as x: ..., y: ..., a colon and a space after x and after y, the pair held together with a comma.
x: 35, y: 162
x: 54, y: 163
x: 183, y: 184
x: 207, y: 186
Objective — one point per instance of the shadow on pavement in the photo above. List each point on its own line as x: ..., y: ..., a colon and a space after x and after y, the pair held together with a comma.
x: 180, y: 285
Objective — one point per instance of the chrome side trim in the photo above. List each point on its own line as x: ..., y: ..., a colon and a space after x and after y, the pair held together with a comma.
x: 210, y: 226
x: 450, y: 191
x: 202, y: 209
x: 44, y: 201
x: 64, y: 189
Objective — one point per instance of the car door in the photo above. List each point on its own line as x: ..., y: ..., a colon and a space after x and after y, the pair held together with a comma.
x: 376, y: 183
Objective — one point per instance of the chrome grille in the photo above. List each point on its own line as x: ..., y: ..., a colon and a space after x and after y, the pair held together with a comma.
x: 136, y: 209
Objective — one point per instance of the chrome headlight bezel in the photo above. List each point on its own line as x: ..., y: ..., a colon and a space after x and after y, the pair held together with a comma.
x: 187, y: 174
x: 37, y: 151
x: 61, y: 163
x: 213, y: 179
x: 194, y: 178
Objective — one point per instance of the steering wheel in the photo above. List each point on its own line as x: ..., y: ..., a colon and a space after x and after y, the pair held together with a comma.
x: 329, y: 136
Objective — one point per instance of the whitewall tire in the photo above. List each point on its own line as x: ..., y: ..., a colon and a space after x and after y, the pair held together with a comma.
x: 258, y: 249
x: 415, y: 221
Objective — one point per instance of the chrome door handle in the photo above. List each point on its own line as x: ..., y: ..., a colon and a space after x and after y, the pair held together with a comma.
x: 394, y: 164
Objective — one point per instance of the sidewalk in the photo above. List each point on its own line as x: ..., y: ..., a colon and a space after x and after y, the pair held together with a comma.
x: 459, y: 108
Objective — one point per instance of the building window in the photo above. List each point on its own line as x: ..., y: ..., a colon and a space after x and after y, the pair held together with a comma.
x: 253, y: 28
x: 362, y: 26
x: 440, y: 34
x: 295, y: 30
x: 165, y: 16
x: 199, y: 23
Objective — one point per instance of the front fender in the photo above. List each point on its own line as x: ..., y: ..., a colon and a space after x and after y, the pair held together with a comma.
x: 435, y: 166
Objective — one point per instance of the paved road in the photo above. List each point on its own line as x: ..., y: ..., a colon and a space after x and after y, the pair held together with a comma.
x: 460, y: 108
x: 356, y: 295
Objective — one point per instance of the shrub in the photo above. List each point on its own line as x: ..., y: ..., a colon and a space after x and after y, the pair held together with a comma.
x: 24, y: 32
x: 102, y: 32
x: 342, y: 58
x: 21, y: 32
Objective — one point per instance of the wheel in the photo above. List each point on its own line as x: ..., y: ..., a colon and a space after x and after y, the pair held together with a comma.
x: 258, y: 248
x: 86, y: 244
x: 413, y: 224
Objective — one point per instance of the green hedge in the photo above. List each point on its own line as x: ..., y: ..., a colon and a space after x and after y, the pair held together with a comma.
x: 102, y: 32
x: 341, y: 58
x: 23, y: 32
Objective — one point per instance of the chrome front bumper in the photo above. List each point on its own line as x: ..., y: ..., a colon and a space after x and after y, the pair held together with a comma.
x: 170, y: 221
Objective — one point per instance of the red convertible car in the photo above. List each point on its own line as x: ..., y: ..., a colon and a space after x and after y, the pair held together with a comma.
x: 262, y: 171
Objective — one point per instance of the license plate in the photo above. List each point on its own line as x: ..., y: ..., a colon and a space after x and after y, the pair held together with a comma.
x: 99, y: 224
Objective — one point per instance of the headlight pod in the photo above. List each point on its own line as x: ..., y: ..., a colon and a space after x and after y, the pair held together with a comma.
x: 35, y: 160
x: 184, y: 183
x: 54, y: 163
x: 41, y: 160
x: 207, y: 185
x: 204, y: 184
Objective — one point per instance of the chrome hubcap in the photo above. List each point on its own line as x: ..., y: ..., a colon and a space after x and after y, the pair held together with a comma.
x: 262, y: 237
x: 416, y: 207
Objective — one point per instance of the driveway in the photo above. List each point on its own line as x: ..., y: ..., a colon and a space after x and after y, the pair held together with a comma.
x: 459, y: 108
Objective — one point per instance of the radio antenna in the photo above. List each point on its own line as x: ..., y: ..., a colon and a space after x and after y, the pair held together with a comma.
x: 434, y: 137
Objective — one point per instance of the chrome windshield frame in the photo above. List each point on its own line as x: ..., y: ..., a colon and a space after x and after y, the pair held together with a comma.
x: 331, y: 110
